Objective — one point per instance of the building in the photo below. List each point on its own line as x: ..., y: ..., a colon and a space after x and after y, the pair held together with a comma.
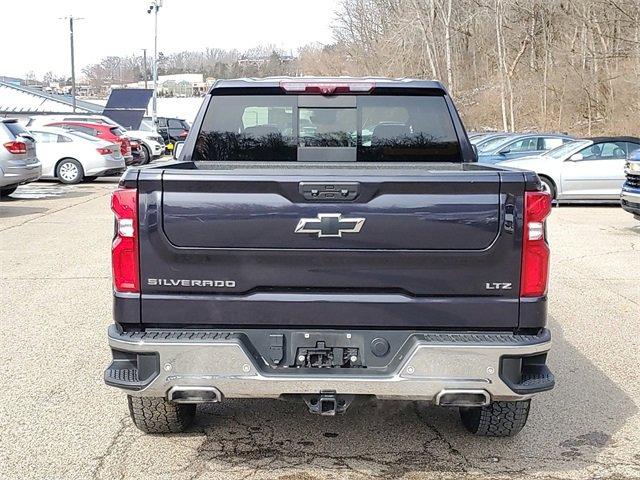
x: 19, y: 101
x: 177, y: 85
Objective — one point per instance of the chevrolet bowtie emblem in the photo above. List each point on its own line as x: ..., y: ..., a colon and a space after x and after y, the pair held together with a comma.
x: 329, y: 225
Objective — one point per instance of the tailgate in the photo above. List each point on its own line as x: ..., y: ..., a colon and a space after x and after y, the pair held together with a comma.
x: 424, y: 250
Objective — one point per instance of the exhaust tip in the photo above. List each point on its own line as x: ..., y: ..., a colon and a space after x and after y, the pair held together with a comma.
x: 194, y: 395
x: 463, y: 398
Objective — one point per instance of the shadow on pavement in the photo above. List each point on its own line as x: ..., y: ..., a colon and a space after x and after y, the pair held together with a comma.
x: 567, y: 430
x: 15, y: 205
x: 19, y: 211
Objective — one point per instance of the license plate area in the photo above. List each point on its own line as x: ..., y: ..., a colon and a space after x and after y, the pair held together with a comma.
x: 326, y: 350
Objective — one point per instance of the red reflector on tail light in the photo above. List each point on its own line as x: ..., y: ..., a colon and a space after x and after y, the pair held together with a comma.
x: 16, y: 147
x: 326, y: 88
x: 124, y: 250
x: 535, y: 250
x: 104, y: 151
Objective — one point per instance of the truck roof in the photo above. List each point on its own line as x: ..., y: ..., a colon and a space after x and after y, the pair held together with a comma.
x: 274, y: 82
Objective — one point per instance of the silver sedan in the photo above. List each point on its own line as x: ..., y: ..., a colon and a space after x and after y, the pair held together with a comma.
x: 71, y: 157
x: 590, y: 170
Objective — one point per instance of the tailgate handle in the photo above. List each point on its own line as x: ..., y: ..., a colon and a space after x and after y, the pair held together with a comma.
x: 332, y: 192
x: 509, y: 213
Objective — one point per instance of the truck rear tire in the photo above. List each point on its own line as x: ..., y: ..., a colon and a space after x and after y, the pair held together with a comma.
x: 157, y: 415
x: 498, y: 419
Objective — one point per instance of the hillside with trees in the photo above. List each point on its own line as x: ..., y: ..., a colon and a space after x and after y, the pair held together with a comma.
x: 551, y: 65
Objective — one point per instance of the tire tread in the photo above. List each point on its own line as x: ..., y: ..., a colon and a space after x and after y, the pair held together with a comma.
x: 157, y: 415
x: 498, y: 419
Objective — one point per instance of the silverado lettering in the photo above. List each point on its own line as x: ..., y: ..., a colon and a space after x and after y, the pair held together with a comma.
x: 172, y: 282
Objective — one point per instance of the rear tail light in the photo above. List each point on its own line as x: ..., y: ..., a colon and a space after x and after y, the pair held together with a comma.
x: 16, y: 147
x: 327, y: 88
x: 104, y: 151
x: 124, y: 250
x: 535, y: 250
x: 125, y: 146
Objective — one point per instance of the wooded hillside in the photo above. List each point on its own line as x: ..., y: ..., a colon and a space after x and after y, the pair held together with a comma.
x: 551, y: 65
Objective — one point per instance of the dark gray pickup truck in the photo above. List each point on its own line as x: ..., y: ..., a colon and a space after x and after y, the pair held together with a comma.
x: 329, y: 239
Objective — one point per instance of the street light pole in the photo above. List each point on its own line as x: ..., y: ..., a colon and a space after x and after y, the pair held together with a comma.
x: 154, y: 7
x: 144, y: 62
x: 155, y: 66
x: 73, y: 64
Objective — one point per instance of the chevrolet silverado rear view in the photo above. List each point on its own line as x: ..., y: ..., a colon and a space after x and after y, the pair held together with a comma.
x: 330, y: 240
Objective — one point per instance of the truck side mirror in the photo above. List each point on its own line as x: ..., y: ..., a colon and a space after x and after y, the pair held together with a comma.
x: 177, y: 148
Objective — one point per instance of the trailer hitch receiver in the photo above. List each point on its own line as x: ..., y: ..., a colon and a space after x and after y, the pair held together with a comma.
x: 328, y: 403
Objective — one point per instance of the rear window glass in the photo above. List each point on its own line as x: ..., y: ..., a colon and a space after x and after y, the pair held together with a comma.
x: 327, y: 127
x: 147, y: 126
x: 15, y: 128
x: 550, y: 143
x: 373, y: 129
x: 491, y: 143
x: 84, y: 136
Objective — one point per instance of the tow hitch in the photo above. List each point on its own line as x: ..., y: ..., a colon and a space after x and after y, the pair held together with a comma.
x: 328, y: 403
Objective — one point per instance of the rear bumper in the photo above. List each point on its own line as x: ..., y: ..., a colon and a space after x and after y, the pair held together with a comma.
x: 13, y: 175
x: 630, y: 200
x: 504, y: 366
x: 105, y: 171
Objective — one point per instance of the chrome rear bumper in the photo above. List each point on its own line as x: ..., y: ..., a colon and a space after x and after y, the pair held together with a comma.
x: 433, y: 365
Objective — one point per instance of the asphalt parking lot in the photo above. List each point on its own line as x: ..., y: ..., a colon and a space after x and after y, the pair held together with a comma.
x: 58, y: 420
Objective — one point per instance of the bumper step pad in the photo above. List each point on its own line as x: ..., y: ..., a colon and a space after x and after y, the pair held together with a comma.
x: 535, y: 380
x: 131, y: 370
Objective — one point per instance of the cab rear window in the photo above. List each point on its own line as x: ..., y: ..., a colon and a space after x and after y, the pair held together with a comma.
x: 372, y: 128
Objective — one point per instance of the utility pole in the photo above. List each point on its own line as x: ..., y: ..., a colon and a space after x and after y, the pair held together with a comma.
x: 71, y: 19
x: 154, y: 7
x: 144, y: 62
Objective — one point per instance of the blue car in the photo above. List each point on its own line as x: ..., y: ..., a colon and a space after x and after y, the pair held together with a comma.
x: 517, y: 146
x: 488, y: 139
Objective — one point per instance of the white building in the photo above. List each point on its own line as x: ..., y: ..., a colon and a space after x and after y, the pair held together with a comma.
x: 17, y: 101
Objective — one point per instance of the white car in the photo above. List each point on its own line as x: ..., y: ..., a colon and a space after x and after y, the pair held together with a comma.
x: 590, y: 170
x: 151, y: 141
x: 73, y: 156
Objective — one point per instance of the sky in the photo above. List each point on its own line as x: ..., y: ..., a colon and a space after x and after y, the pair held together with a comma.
x: 123, y: 27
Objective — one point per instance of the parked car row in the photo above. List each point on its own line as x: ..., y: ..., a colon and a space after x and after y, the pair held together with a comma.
x: 571, y: 170
x: 151, y: 143
x: 171, y: 129
x: 71, y: 148
x: 501, y: 147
